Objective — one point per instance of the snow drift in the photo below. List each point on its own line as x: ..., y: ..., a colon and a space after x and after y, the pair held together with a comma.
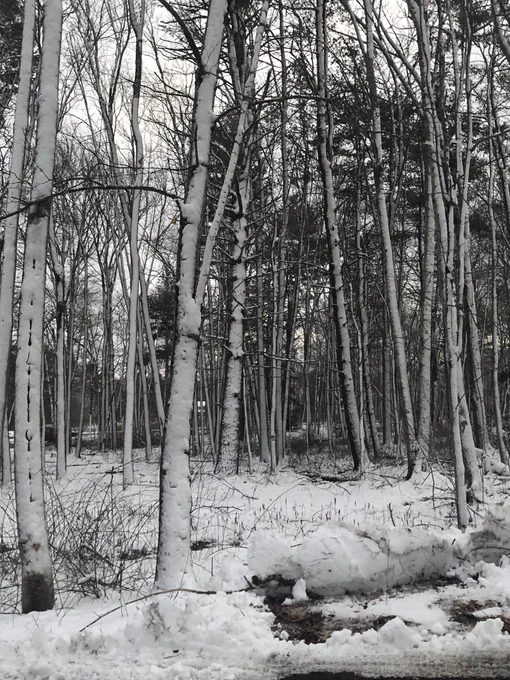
x: 339, y: 558
x: 342, y: 558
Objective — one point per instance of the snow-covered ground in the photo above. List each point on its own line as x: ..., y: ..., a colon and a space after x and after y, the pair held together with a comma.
x: 364, y: 538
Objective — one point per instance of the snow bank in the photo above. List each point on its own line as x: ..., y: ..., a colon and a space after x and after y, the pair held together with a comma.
x: 491, y: 541
x: 340, y: 558
x: 270, y: 554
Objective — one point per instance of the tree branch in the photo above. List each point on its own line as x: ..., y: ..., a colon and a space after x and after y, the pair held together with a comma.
x: 97, y: 187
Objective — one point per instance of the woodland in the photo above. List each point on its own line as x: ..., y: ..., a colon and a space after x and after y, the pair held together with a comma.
x: 251, y: 233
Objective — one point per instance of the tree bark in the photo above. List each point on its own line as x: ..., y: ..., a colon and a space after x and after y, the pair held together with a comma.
x: 37, y: 593
x: 337, y: 283
x: 8, y: 270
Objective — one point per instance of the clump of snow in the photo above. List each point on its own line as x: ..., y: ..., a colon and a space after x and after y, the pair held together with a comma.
x: 339, y: 558
x: 397, y: 634
x: 339, y: 637
x: 486, y: 635
x: 299, y: 591
x: 492, y: 540
x: 232, y: 575
x: 438, y: 629
x: 270, y: 554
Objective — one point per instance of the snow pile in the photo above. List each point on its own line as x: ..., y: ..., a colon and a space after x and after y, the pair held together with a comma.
x: 397, y: 634
x: 491, y: 541
x: 200, y: 625
x: 486, y: 635
x: 269, y: 554
x: 340, y: 558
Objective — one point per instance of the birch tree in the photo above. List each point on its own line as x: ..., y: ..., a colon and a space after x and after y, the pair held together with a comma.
x: 337, y: 283
x: 8, y: 265
x: 447, y: 240
x: 37, y: 580
x: 137, y: 24
x: 175, y: 494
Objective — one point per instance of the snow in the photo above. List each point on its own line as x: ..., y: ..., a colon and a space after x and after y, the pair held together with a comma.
x: 269, y: 525
x: 299, y: 591
x: 339, y: 558
x: 396, y: 634
x: 270, y: 554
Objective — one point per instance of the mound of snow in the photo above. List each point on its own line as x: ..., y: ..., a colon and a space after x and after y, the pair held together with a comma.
x: 492, y: 540
x: 397, y: 634
x: 340, y: 558
x: 270, y: 554
x: 486, y: 635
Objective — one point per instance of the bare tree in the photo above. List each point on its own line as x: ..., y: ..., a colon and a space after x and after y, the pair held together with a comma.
x: 37, y: 579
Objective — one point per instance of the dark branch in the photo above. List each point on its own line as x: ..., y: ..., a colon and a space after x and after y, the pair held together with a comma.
x: 185, y: 30
x: 96, y: 187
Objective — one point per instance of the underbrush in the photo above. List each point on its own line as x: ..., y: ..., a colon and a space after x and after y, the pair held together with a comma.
x: 101, y: 539
x: 104, y: 539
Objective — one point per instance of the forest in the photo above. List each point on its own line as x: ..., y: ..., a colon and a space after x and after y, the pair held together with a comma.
x: 245, y: 235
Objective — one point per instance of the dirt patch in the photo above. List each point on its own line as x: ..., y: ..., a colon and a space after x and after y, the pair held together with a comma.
x: 304, y: 621
x: 464, y: 612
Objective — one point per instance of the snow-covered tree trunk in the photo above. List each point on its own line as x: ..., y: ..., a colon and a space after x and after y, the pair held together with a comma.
x: 463, y: 153
x: 37, y: 580
x: 60, y: 424
x: 8, y: 267
x: 427, y: 301
x: 128, y: 467
x: 173, y: 559
x: 230, y: 439
x: 337, y: 283
x: 398, y: 337
x: 447, y: 242
x: 261, y: 369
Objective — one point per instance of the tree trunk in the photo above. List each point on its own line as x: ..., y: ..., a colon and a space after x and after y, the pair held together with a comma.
x: 8, y: 271
x: 60, y: 424
x: 434, y: 138
x: 230, y: 440
x: 37, y: 593
x: 337, y: 283
x: 427, y: 294
x: 382, y: 211
x: 79, y: 441
x: 128, y: 466
x: 174, y: 546
x: 503, y: 452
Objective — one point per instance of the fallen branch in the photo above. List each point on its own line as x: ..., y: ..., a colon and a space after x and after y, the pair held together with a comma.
x: 162, y: 592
